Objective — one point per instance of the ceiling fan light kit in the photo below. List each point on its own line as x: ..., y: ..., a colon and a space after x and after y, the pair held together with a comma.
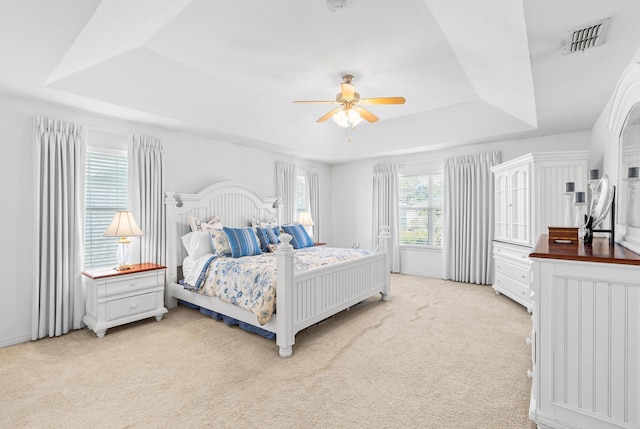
x: 335, y: 6
x: 350, y: 113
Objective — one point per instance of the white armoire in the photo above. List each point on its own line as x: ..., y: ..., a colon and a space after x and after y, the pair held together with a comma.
x: 529, y: 197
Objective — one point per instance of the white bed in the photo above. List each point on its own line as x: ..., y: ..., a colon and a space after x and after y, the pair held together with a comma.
x: 303, y: 297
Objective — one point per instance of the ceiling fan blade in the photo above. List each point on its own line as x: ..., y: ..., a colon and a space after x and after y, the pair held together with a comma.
x: 329, y: 114
x: 348, y: 91
x: 365, y: 114
x: 316, y: 102
x: 383, y: 100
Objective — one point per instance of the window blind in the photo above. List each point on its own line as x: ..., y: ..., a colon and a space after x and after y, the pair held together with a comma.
x: 301, y: 195
x: 105, y: 193
x: 420, y: 209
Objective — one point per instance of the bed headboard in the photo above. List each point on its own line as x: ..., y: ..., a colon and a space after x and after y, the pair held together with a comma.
x: 237, y: 203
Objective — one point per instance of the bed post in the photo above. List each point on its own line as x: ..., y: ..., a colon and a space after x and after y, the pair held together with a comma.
x: 172, y: 266
x: 285, y: 337
x: 384, y: 246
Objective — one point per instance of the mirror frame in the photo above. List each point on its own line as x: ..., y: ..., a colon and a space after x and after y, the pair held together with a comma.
x: 625, y: 97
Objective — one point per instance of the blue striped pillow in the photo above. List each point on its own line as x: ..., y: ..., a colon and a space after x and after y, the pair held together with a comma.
x: 300, y: 236
x: 243, y: 241
x: 268, y: 236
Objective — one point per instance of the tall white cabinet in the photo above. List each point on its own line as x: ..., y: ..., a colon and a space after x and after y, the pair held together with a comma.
x: 528, y: 199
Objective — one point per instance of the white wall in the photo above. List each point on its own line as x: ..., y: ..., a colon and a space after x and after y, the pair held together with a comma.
x: 209, y: 161
x: 353, y: 192
x: 346, y: 190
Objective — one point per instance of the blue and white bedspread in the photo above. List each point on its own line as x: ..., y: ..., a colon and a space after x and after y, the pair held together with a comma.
x: 250, y: 282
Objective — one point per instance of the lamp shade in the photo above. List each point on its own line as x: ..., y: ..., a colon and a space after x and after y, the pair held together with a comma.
x: 305, y: 219
x: 123, y: 225
x: 340, y: 118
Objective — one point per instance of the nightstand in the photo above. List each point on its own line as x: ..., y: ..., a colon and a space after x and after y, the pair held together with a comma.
x: 114, y: 298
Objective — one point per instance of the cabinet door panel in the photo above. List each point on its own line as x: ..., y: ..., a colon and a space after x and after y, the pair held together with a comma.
x: 520, y: 201
x: 502, y: 206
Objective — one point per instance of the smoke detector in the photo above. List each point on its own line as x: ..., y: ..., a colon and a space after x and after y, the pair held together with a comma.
x: 336, y: 6
x: 587, y: 36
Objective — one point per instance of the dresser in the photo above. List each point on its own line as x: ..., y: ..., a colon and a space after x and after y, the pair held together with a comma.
x: 528, y: 199
x: 114, y: 298
x: 586, y: 336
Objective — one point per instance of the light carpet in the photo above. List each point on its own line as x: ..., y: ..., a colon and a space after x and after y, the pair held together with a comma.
x: 438, y: 354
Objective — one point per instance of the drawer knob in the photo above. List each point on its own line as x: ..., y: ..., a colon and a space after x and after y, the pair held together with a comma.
x: 529, y: 373
x: 134, y: 305
x: 528, y: 341
x: 499, y: 267
x: 132, y: 284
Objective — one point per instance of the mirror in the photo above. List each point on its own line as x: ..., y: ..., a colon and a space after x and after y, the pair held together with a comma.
x: 628, y: 208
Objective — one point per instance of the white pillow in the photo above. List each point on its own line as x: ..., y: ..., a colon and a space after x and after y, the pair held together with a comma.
x: 197, y: 243
x: 200, y: 225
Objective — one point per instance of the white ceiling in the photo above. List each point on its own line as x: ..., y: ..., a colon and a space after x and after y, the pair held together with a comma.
x: 471, y: 71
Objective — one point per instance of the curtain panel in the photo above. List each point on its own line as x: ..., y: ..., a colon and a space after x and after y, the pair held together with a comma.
x: 385, y: 208
x: 286, y: 188
x: 146, y: 191
x: 313, y: 191
x: 469, y: 218
x: 58, y: 296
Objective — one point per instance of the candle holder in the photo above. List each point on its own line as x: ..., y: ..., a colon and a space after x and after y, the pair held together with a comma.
x: 568, y: 211
x: 580, y: 220
x: 631, y: 215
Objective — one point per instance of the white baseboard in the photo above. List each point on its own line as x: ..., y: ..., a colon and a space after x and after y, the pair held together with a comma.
x: 17, y: 339
x: 421, y: 273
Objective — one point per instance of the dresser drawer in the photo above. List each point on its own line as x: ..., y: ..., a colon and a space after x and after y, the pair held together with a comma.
x: 120, y: 308
x: 516, y: 256
x: 516, y: 272
x: 127, y: 284
x: 508, y: 285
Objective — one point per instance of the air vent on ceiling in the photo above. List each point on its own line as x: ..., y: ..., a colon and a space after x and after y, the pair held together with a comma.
x: 586, y: 37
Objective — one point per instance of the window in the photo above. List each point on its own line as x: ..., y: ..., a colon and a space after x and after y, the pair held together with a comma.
x: 420, y: 209
x: 301, y: 195
x: 105, y: 193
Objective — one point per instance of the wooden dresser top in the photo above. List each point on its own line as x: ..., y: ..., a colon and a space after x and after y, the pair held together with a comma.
x: 599, y: 251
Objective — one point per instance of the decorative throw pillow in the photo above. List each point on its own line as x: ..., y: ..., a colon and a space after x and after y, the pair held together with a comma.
x: 197, y: 244
x: 300, y: 236
x: 200, y: 225
x: 242, y: 241
x: 220, y: 242
x: 268, y: 236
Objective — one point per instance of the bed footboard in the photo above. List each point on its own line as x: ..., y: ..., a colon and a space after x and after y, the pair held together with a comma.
x: 307, y: 297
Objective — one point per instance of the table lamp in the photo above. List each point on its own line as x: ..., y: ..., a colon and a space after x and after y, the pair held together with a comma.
x: 305, y: 220
x: 123, y: 225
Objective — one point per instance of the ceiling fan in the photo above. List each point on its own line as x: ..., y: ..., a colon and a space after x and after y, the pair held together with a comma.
x: 350, y: 112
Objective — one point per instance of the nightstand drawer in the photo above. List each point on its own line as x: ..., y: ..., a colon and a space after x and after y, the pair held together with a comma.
x: 126, y: 284
x: 120, y: 308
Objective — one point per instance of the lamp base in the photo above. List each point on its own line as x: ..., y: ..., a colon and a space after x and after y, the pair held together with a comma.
x: 124, y: 267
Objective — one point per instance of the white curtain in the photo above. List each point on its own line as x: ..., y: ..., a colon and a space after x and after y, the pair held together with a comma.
x: 58, y: 296
x: 313, y: 191
x: 385, y: 208
x: 146, y: 191
x: 286, y: 188
x: 469, y: 217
